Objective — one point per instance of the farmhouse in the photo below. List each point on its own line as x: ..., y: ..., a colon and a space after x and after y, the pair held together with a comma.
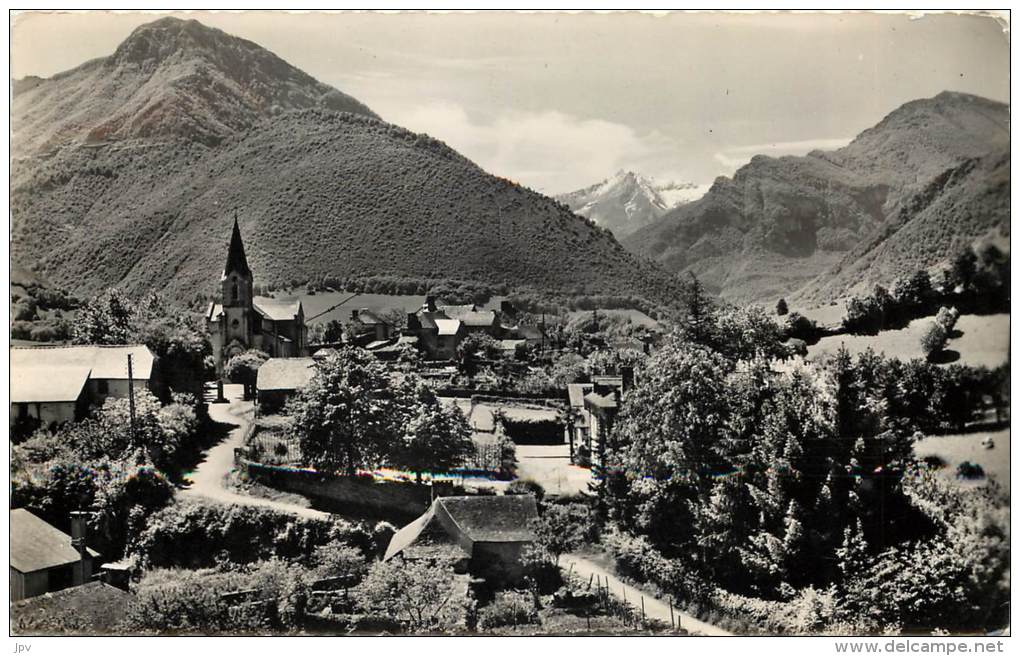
x: 369, y: 327
x: 593, y: 409
x: 56, y: 384
x: 279, y: 378
x: 481, y: 535
x: 42, y: 558
x: 242, y: 321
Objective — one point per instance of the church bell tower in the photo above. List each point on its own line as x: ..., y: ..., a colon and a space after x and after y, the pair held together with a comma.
x: 237, y: 294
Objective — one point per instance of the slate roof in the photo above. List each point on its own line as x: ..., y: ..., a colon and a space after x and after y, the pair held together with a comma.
x: 92, y: 608
x: 104, y: 361
x: 276, y: 309
x: 285, y: 374
x: 37, y: 545
x: 215, y: 312
x: 236, y: 259
x: 481, y: 519
x: 369, y: 318
x: 48, y: 384
x: 478, y: 319
x: 493, y: 518
x: 448, y: 326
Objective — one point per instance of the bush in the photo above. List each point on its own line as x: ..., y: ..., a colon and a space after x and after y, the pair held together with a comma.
x: 526, y: 486
x: 934, y: 339
x: 510, y: 608
x: 970, y: 471
x: 241, y: 534
x: 799, y: 326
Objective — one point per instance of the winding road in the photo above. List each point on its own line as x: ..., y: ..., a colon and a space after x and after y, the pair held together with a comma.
x: 209, y: 479
x: 584, y: 568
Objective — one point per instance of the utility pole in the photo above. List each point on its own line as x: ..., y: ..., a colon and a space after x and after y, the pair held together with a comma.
x: 131, y: 397
x: 79, y: 527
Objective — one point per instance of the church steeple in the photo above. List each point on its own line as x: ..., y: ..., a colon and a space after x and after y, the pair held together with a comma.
x: 236, y: 260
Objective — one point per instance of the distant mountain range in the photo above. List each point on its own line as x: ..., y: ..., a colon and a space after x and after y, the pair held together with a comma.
x: 128, y: 170
x: 629, y: 201
x: 930, y: 178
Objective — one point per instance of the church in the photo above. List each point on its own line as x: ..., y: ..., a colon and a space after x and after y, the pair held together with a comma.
x: 242, y: 321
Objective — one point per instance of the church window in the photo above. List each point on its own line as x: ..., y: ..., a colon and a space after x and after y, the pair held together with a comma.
x: 234, y: 292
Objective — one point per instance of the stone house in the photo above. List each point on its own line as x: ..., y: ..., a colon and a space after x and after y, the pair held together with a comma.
x: 483, y: 535
x: 278, y: 379
x: 57, y: 384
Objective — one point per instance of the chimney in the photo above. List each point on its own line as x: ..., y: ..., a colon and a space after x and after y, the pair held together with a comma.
x: 430, y: 303
x: 507, y: 309
x: 354, y: 315
x: 627, y: 373
x: 79, y: 527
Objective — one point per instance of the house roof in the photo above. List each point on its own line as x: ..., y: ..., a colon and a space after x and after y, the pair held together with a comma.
x: 285, y: 374
x: 426, y: 537
x: 609, y: 381
x: 478, y: 319
x: 48, y: 384
x: 481, y: 519
x: 94, y: 607
x: 369, y: 318
x: 236, y: 259
x: 504, y: 518
x: 277, y: 309
x: 600, y: 401
x: 37, y: 545
x: 214, y: 312
x: 511, y: 344
x: 448, y: 326
x: 576, y: 392
x: 104, y: 361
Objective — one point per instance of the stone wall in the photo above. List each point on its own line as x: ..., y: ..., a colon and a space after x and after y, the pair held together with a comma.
x: 393, y: 501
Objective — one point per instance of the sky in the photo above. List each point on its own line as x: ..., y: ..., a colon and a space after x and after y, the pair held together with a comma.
x: 559, y: 101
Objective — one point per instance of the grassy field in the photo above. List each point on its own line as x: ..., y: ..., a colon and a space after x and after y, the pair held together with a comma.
x: 980, y: 341
x: 955, y: 449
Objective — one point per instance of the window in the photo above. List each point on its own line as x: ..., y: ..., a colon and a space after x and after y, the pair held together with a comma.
x: 234, y: 292
x: 103, y: 385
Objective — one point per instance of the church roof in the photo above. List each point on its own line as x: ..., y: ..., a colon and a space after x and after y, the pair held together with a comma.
x: 277, y: 309
x: 236, y: 259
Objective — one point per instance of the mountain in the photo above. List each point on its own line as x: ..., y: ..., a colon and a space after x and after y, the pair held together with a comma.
x: 905, y: 194
x: 628, y: 201
x: 130, y: 168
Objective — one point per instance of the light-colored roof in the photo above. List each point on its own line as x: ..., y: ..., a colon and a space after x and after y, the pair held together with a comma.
x: 600, y: 401
x: 36, y: 545
x: 504, y: 518
x: 285, y: 374
x: 214, y: 312
x: 370, y: 318
x: 277, y: 309
x: 447, y: 326
x: 511, y: 344
x: 479, y: 319
x: 104, y: 361
x: 48, y: 384
x: 576, y: 392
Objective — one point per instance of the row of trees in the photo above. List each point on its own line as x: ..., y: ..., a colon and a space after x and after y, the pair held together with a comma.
x: 974, y: 281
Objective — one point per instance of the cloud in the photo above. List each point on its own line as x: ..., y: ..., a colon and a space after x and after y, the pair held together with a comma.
x: 549, y: 151
x: 734, y: 157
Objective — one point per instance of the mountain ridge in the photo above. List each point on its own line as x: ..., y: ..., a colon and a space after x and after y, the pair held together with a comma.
x: 318, y: 192
x: 783, y: 225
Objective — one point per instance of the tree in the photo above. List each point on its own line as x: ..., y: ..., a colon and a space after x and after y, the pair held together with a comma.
x: 475, y: 347
x: 934, y: 339
x: 563, y: 528
x: 699, y: 323
x: 244, y: 368
x: 436, y: 439
x: 417, y: 593
x: 105, y: 319
x: 346, y: 417
x: 781, y: 307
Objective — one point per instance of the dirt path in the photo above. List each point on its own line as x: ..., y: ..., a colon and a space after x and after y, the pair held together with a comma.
x: 208, y: 480
x: 585, y: 568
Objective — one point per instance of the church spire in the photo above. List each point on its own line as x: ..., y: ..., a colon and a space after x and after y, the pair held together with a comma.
x: 236, y: 260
